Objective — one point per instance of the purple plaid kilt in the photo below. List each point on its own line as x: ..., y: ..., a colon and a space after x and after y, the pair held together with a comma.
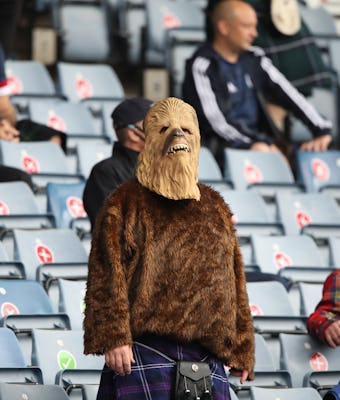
x: 153, y: 375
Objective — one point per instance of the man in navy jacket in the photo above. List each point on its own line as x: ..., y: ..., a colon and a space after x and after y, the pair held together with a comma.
x: 228, y: 82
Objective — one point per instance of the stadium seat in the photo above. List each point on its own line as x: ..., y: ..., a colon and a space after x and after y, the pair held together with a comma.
x: 131, y: 20
x: 31, y: 392
x: 266, y: 374
x: 209, y: 172
x: 296, y: 257
x: 74, y: 119
x: 71, y: 301
x: 19, y: 208
x: 24, y: 306
x: 310, y: 295
x: 50, y: 254
x: 89, y: 391
x: 65, y: 202
x: 77, y: 42
x: 320, y: 171
x: 259, y: 393
x: 316, y: 214
x: 60, y: 352
x: 162, y: 15
x: 250, y: 213
x: 13, y: 367
x: 8, y: 268
x: 334, y: 251
x: 180, y: 45
x: 87, y: 156
x: 302, y: 355
x: 45, y: 161
x: 85, y: 82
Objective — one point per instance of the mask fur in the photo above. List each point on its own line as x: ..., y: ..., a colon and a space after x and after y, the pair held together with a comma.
x: 168, y: 165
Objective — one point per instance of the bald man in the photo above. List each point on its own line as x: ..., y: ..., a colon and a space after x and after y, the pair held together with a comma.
x: 229, y: 81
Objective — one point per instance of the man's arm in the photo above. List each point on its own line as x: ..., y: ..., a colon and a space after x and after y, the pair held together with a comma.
x: 324, y: 322
x: 7, y: 110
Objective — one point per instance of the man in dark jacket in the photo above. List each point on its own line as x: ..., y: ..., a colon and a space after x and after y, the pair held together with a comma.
x: 228, y: 83
x: 108, y: 174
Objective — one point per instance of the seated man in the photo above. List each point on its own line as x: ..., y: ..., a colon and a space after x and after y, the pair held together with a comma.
x: 324, y: 322
x: 228, y: 82
x: 105, y: 176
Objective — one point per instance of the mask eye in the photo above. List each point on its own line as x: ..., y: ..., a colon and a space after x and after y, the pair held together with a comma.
x: 186, y: 130
x: 164, y: 129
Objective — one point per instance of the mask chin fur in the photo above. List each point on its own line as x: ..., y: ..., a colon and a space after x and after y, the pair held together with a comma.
x: 171, y: 179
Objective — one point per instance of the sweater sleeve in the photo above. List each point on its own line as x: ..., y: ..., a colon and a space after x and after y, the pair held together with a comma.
x: 244, y: 347
x: 328, y: 309
x: 107, y: 317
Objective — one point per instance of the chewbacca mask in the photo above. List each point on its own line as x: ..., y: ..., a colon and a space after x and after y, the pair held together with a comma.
x: 168, y: 165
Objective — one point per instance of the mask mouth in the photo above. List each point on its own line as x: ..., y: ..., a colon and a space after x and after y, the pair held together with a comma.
x: 178, y: 148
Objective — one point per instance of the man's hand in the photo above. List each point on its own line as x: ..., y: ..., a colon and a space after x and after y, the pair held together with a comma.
x: 332, y: 334
x: 8, y: 132
x: 119, y: 359
x: 320, y: 143
x: 236, y: 372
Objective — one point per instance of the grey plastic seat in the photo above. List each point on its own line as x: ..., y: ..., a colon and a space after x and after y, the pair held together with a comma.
x: 87, y: 156
x: 209, y: 171
x: 9, y: 268
x: 71, y: 301
x: 65, y: 202
x: 74, y: 119
x: 294, y: 256
x: 258, y: 393
x: 78, y: 42
x: 25, y: 306
x: 326, y: 101
x: 45, y: 161
x: 243, y: 204
x: 267, y: 172
x: 334, y: 251
x: 310, y: 295
x: 162, y: 15
x: 50, y: 254
x: 320, y: 171
x: 13, y: 367
x: 131, y: 20
x: 19, y: 207
x: 303, y: 355
x: 84, y: 82
x: 58, y: 353
x: 266, y: 374
x: 316, y: 214
x: 180, y: 46
x: 32, y: 392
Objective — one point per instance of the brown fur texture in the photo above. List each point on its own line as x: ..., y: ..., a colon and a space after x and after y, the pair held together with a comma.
x: 172, y: 174
x: 169, y: 268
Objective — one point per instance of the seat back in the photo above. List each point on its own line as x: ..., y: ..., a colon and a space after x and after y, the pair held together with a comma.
x: 32, y: 392
x: 310, y: 295
x: 37, y: 247
x: 302, y: 354
x: 162, y: 15
x: 65, y: 202
x: 17, y: 198
x: 273, y: 253
x: 258, y: 393
x: 10, y: 351
x: 71, y: 301
x: 79, y: 82
x: 246, y: 167
x: 78, y: 43
x: 28, y: 77
x: 317, y: 170
x: 54, y: 351
x: 269, y: 299
x: 87, y: 157
x: 297, y: 211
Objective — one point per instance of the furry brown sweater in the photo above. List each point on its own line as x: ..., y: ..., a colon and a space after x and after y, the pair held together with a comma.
x: 170, y: 268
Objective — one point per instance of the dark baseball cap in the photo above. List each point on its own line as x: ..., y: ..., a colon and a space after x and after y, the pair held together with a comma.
x: 130, y: 111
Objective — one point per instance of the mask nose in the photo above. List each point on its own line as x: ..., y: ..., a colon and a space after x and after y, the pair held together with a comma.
x: 177, y: 133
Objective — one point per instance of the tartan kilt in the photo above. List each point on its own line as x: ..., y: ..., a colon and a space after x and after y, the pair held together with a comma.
x: 153, y: 375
